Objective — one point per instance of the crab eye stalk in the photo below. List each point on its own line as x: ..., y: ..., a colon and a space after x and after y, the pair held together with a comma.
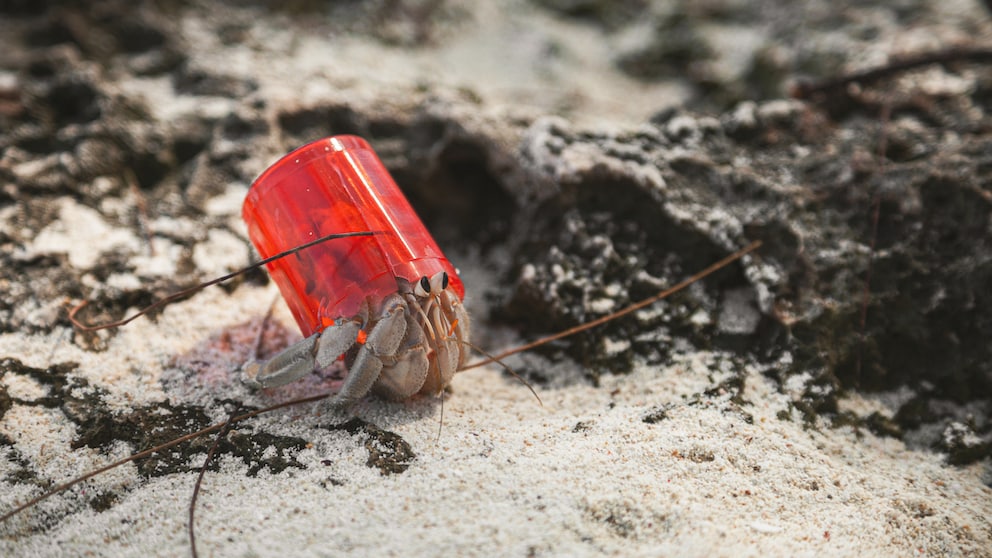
x: 423, y: 287
x: 438, y: 282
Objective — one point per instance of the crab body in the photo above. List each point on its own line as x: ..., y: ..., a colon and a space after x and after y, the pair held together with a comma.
x: 389, y: 304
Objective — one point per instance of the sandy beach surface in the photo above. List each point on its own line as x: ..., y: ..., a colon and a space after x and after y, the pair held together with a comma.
x: 702, y: 427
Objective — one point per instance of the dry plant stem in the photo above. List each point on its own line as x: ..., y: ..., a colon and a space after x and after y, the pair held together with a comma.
x: 257, y: 350
x: 199, y: 482
x: 186, y: 292
x: 620, y: 313
x: 142, y: 204
x: 806, y: 90
x: 67, y: 485
x: 876, y: 204
x: 191, y: 524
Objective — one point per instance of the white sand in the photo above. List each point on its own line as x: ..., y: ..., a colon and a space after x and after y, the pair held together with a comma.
x: 507, y: 477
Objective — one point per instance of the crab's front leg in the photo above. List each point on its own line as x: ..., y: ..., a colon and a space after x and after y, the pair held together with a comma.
x: 318, y: 351
x: 381, y: 342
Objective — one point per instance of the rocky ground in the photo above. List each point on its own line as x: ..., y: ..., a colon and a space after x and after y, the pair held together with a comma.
x: 828, y: 394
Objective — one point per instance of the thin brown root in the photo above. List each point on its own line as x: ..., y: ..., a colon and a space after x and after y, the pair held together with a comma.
x: 67, y: 485
x: 199, y: 482
x: 197, y: 288
x: 876, y: 210
x: 142, y: 204
x: 257, y: 346
x: 830, y: 86
x: 619, y: 313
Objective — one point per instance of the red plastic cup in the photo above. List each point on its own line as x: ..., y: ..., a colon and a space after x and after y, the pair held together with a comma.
x: 338, y: 185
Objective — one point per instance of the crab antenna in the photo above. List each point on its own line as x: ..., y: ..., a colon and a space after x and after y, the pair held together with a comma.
x: 497, y: 359
x: 196, y: 288
x: 632, y: 308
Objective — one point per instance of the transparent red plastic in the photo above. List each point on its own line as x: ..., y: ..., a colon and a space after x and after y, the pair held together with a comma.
x: 338, y: 185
